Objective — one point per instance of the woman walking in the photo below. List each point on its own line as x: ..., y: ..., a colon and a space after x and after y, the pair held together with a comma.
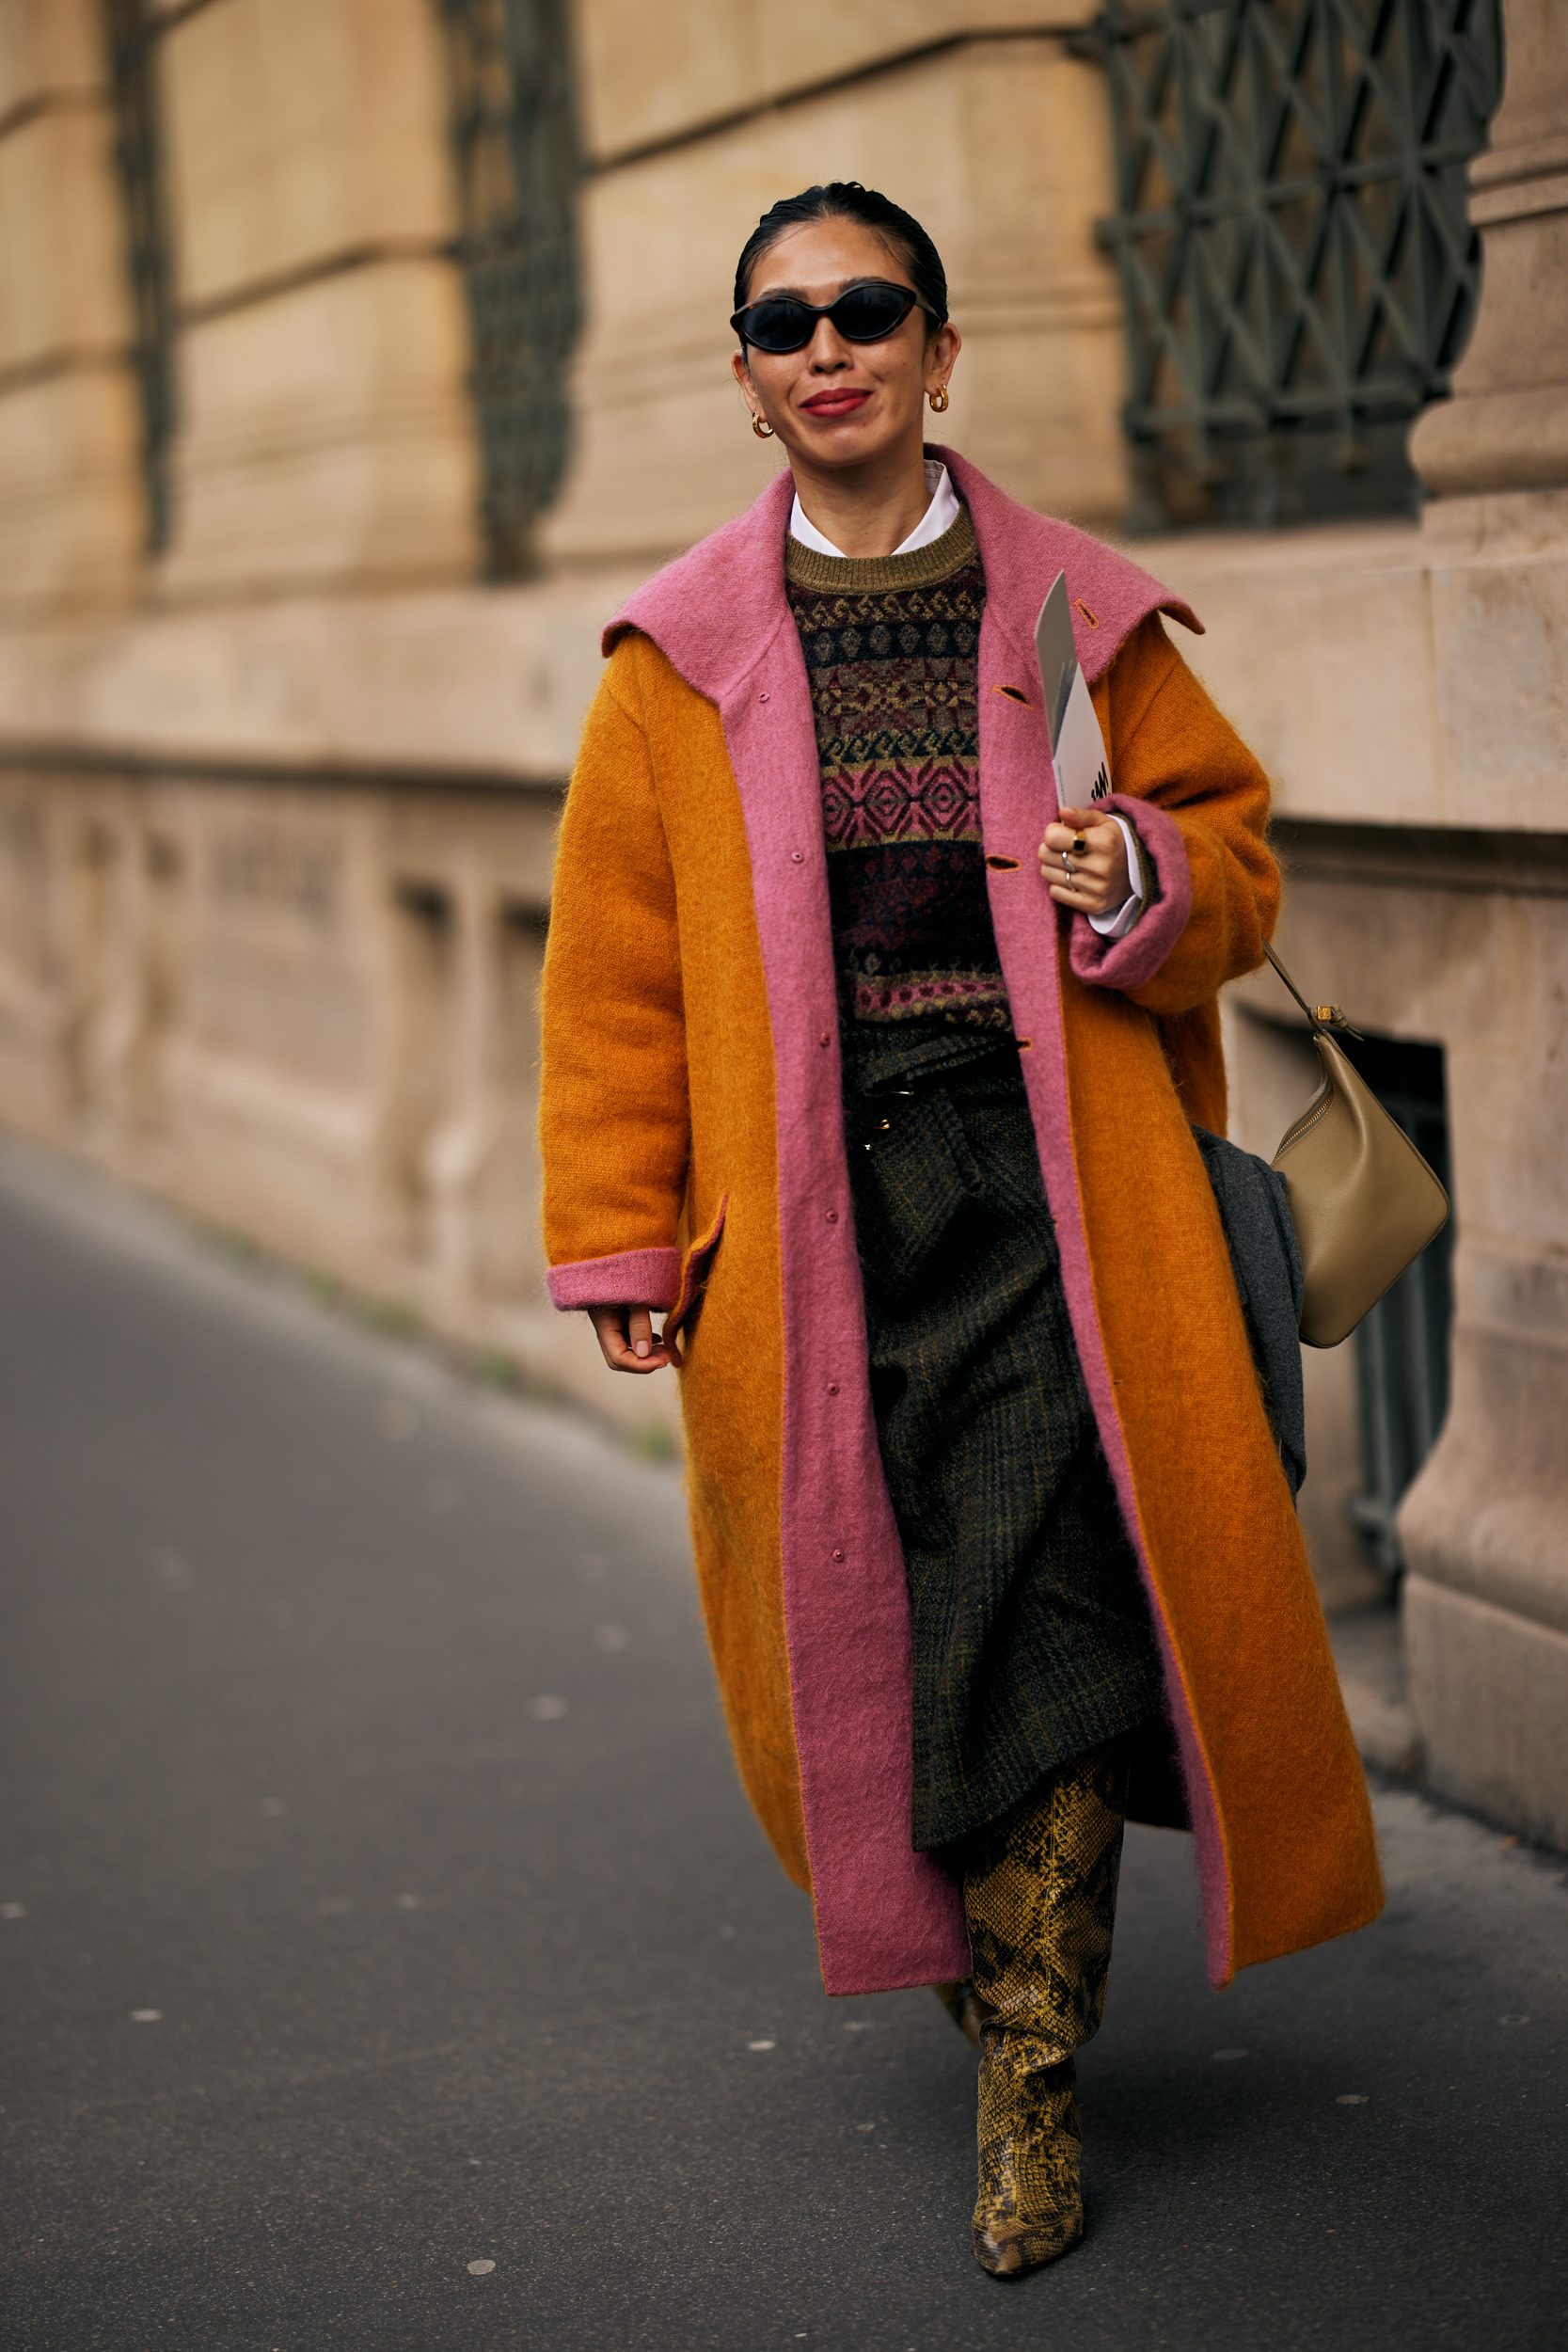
x: 876, y: 1072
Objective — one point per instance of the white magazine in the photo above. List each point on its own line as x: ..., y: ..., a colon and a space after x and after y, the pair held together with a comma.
x: 1077, y: 747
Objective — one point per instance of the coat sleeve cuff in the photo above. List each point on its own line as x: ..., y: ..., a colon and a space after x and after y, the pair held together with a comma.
x: 632, y: 1277
x: 1132, y: 960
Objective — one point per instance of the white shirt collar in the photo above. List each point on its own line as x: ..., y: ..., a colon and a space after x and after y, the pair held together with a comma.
x: 938, y: 516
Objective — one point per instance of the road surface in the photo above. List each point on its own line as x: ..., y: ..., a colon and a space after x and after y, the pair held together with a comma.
x: 391, y: 1963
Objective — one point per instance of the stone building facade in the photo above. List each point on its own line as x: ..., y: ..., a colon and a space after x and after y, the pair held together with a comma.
x: 357, y: 355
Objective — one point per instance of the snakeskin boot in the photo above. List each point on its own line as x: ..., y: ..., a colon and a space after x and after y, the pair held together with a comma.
x: 1040, y: 1899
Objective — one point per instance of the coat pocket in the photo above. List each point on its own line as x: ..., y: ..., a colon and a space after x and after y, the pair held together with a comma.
x: 696, y: 1266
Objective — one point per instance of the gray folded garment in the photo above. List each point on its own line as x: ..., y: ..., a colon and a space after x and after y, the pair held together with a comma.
x: 1255, y: 1211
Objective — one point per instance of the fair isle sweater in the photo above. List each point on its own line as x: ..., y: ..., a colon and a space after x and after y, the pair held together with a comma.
x: 892, y: 653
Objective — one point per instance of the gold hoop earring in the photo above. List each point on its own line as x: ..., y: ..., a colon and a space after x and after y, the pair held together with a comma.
x: 939, y: 399
x: 761, y: 427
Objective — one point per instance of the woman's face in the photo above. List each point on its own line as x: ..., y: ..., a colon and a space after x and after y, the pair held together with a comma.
x: 837, y: 403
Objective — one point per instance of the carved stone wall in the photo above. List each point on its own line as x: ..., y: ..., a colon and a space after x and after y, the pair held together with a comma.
x: 1485, y: 1528
x: 1405, y: 687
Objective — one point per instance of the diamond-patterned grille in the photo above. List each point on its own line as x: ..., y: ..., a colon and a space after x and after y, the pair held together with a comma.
x: 1298, y: 268
x: 514, y: 136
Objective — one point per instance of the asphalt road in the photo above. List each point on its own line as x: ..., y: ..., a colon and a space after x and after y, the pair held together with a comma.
x: 390, y: 1962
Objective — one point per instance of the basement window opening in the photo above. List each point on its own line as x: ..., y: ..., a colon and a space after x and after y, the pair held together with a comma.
x: 1401, y: 1348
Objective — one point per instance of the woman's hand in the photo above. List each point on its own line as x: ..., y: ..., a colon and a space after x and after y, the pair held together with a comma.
x: 1098, y: 883
x: 626, y: 1338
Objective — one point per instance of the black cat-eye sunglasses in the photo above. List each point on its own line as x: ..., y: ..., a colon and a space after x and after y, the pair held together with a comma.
x: 865, y: 314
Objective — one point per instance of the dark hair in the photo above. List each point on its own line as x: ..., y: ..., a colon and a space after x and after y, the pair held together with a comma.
x: 845, y: 199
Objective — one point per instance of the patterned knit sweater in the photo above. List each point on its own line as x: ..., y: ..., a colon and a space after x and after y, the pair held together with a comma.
x: 892, y: 649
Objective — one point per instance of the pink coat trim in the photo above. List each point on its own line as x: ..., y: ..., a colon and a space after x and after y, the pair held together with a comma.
x: 885, y: 1914
x: 632, y: 1277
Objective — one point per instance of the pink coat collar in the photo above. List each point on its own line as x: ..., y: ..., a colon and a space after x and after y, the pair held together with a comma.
x: 715, y: 611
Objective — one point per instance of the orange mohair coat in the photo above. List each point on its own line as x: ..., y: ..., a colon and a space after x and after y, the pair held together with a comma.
x: 694, y: 1161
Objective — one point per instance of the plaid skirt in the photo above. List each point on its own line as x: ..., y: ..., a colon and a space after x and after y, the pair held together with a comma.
x: 1031, y: 1636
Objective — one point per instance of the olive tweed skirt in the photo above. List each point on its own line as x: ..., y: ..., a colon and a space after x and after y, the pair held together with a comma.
x: 1031, y: 1636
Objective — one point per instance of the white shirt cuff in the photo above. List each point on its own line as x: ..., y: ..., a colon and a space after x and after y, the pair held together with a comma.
x: 1118, y: 925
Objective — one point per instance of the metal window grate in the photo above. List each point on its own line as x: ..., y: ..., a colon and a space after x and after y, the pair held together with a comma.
x: 133, y: 34
x: 1298, y: 269
x: 1402, y: 1349
x: 514, y: 136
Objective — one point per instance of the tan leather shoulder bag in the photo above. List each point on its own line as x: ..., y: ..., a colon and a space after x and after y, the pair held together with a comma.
x: 1363, y: 1200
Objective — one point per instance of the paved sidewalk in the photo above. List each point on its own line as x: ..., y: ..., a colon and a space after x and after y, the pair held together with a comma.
x: 391, y: 1963
x: 1369, y: 1650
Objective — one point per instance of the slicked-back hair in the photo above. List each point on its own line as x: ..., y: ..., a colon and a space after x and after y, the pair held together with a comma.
x: 847, y: 199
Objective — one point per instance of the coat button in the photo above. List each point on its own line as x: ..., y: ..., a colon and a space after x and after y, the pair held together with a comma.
x: 832, y: 1216
x: 838, y: 1555
x: 762, y: 698
x: 833, y: 1388
x: 797, y: 857
x: 824, y: 1039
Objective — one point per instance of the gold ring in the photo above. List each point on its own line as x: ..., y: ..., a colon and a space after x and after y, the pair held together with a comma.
x: 1079, y: 845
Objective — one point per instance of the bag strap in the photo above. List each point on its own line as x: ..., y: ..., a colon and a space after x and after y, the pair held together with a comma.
x: 1318, y: 1017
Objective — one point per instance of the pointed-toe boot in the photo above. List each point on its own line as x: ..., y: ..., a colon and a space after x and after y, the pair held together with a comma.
x: 1042, y: 1902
